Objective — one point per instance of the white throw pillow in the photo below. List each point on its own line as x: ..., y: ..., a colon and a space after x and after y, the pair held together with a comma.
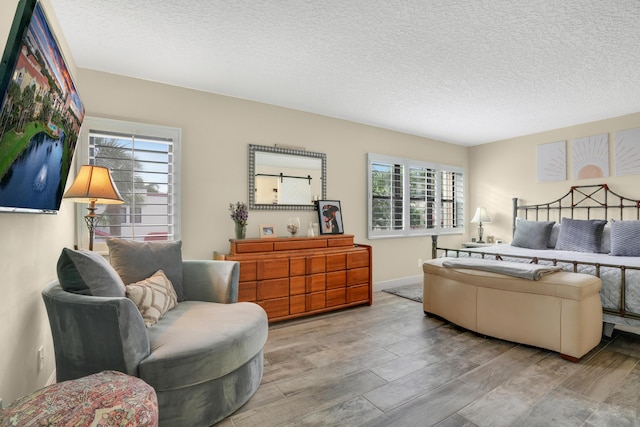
x: 153, y: 297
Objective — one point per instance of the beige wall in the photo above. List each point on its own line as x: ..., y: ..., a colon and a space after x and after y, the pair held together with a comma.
x: 29, y: 250
x: 506, y: 169
x: 216, y: 132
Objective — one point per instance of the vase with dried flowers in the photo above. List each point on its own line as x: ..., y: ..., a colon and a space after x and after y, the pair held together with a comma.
x: 239, y: 215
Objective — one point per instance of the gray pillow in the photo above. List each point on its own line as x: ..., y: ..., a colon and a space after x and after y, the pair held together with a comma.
x: 605, y: 244
x: 625, y: 238
x: 553, y: 237
x: 580, y: 235
x: 86, y: 272
x: 532, y: 234
x: 136, y: 261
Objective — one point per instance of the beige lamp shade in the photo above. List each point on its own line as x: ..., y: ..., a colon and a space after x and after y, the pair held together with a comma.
x: 93, y: 184
x: 480, y: 216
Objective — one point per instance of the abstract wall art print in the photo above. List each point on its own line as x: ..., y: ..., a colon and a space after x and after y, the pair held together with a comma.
x: 552, y: 161
x: 627, y: 152
x: 591, y: 157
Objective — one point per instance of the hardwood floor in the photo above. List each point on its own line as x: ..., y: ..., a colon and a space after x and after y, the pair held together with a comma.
x: 389, y: 365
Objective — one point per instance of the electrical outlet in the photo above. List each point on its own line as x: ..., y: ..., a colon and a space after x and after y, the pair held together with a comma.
x: 40, y: 358
x: 419, y: 262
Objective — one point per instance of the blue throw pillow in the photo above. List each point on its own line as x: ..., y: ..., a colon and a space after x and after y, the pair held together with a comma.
x: 580, y: 235
x: 532, y: 234
x: 625, y: 238
x: 87, y: 272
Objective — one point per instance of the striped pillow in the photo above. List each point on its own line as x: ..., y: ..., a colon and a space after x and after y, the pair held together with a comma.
x: 580, y: 235
x: 153, y: 297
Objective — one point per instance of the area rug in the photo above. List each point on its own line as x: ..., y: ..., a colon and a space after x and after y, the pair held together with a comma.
x: 412, y: 292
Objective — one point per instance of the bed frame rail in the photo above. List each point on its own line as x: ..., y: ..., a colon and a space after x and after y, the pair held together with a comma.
x: 583, y: 201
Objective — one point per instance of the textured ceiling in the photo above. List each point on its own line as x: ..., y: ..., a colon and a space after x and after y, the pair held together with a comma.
x: 460, y: 71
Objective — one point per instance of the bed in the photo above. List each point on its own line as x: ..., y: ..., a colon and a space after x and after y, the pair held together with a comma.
x: 591, y: 229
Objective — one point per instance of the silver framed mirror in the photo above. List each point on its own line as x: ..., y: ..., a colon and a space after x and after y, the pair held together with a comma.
x: 285, y: 179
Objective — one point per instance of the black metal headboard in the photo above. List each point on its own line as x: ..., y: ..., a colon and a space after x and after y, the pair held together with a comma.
x: 597, y: 200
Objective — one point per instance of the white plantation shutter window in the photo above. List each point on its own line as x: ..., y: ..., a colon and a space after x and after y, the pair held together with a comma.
x: 386, y: 201
x: 143, y: 160
x: 421, y: 197
x: 452, y: 199
x: 408, y: 197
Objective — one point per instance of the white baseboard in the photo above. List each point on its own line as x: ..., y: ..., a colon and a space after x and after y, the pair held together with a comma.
x: 52, y: 378
x: 396, y: 282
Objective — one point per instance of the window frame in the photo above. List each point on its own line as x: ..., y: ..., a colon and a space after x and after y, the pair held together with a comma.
x: 133, y: 128
x: 406, y: 230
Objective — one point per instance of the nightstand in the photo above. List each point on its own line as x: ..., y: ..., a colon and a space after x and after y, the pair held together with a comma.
x: 476, y: 245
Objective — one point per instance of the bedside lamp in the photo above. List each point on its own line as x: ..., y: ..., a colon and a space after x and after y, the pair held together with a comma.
x: 480, y: 217
x: 93, y: 185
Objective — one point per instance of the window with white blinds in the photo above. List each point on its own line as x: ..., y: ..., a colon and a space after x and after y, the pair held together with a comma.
x: 452, y: 199
x: 143, y: 160
x: 408, y: 197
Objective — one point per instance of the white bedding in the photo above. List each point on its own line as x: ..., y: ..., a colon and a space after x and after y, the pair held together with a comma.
x: 611, y: 276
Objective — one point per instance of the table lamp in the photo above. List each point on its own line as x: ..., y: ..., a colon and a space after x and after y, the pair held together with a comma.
x: 93, y: 185
x: 480, y: 217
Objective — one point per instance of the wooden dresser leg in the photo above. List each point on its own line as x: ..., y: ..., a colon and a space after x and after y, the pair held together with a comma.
x: 570, y: 358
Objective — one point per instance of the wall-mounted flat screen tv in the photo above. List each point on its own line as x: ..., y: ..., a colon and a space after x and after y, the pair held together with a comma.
x: 40, y: 117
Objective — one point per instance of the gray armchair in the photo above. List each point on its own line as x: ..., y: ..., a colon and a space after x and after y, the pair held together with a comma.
x: 204, y: 358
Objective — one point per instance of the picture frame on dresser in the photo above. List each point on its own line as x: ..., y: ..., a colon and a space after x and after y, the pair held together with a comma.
x: 330, y: 217
x: 268, y: 231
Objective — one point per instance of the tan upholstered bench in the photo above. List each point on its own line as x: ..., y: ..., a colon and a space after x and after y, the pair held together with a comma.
x: 561, y: 312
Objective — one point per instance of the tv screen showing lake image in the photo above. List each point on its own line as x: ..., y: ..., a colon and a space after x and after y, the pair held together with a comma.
x: 40, y: 118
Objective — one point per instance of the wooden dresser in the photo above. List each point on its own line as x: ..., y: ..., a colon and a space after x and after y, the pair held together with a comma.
x: 298, y: 276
